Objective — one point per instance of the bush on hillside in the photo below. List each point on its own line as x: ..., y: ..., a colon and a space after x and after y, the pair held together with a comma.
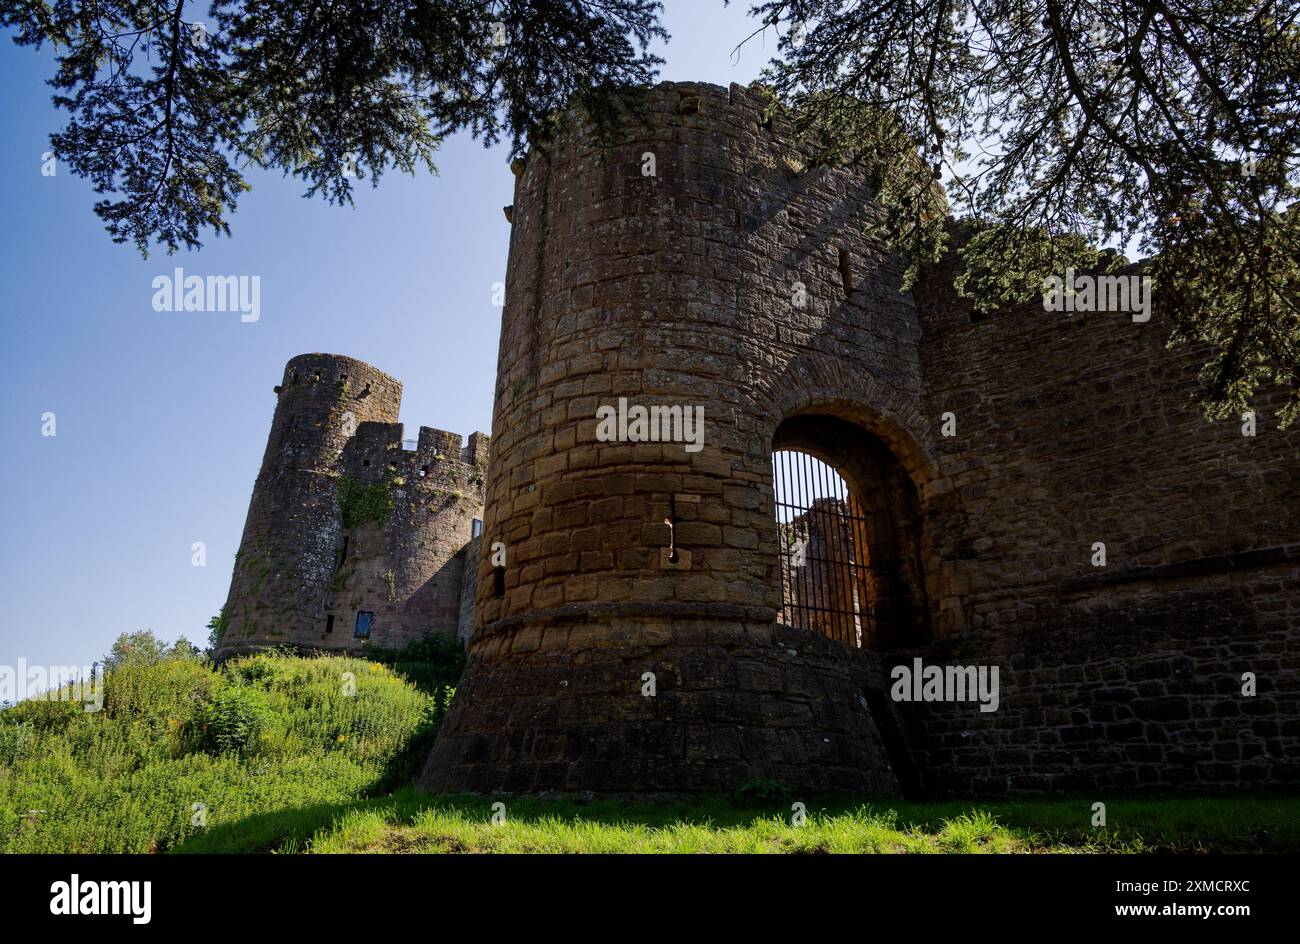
x: 232, y: 722
x: 258, y: 745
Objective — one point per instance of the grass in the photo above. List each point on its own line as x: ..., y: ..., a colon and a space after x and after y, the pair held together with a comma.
x: 410, y: 822
x: 289, y: 754
x: 182, y: 752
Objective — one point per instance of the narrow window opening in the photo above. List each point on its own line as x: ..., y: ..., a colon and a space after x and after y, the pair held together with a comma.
x: 846, y: 272
x: 329, y: 624
x: 475, y: 528
x: 364, y: 620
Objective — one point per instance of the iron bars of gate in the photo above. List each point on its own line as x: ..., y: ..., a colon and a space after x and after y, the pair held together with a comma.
x: 825, y: 581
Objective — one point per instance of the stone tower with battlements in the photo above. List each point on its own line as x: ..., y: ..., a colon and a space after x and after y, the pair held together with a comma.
x: 353, y: 533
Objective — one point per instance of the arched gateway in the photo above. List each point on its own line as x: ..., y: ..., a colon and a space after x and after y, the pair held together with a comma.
x: 663, y: 334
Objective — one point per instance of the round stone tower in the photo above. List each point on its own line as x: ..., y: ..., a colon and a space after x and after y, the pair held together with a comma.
x: 287, y: 556
x: 675, y: 302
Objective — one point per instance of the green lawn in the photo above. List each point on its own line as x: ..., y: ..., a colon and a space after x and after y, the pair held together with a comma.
x: 286, y: 754
x: 413, y: 822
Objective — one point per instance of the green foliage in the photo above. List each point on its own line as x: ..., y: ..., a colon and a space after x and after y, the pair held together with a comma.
x: 431, y: 663
x: 753, y: 792
x: 1242, y: 307
x: 414, y: 822
x: 1058, y: 127
x: 217, y: 628
x: 360, y: 503
x: 443, y: 653
x: 232, y: 722
x: 182, y: 648
x: 1004, y: 265
x: 144, y: 649
x: 327, y: 93
x: 262, y: 737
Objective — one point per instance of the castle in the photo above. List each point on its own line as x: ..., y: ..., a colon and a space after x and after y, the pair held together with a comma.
x: 354, y: 534
x: 1029, y: 492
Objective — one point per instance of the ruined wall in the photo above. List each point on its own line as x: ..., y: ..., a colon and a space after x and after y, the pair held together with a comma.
x: 675, y: 288
x: 1074, y: 429
x: 468, y: 588
x: 303, y: 572
x: 287, y: 553
x: 408, y: 571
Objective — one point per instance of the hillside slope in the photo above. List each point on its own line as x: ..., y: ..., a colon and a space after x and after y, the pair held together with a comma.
x: 217, y: 759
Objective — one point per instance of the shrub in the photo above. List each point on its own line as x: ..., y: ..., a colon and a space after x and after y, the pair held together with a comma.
x: 266, y: 734
x: 232, y: 721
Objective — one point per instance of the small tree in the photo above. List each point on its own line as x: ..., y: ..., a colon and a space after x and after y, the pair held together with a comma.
x: 135, y: 649
x: 216, y: 629
x: 145, y: 649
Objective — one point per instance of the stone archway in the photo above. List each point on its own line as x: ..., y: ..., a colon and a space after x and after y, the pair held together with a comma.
x: 886, y: 530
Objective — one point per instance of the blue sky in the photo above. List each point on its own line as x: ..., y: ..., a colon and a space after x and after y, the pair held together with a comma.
x: 162, y: 416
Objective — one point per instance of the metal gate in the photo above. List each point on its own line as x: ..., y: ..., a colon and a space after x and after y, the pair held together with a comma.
x: 825, y: 581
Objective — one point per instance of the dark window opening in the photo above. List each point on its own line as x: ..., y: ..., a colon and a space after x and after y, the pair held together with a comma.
x: 329, y: 625
x: 343, y: 551
x: 499, y: 581
x: 475, y: 528
x: 364, y: 620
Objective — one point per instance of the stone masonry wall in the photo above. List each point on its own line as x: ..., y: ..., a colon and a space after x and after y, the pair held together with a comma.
x: 1075, y: 429
x: 671, y: 288
x: 676, y: 287
x: 287, y: 553
x: 301, y: 576
x: 409, y: 572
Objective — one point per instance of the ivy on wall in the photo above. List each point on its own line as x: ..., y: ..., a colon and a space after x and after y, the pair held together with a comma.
x: 361, y: 503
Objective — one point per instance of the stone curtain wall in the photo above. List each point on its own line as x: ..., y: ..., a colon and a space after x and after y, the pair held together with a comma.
x: 674, y: 288
x: 409, y: 572
x: 336, y: 420
x: 1075, y: 429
